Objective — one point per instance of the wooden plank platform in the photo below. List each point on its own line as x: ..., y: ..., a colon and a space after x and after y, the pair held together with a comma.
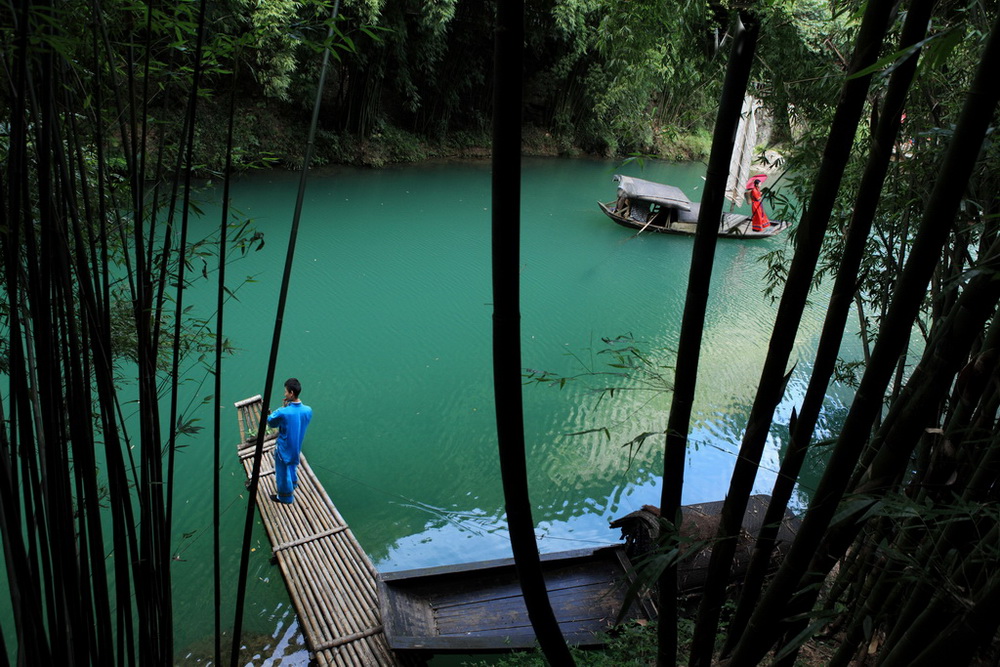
x: 329, y: 577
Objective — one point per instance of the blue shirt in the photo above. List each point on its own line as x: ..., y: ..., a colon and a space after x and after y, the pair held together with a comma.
x: 291, y: 421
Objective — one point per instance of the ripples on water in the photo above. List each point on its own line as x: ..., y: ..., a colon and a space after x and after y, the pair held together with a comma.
x: 388, y: 325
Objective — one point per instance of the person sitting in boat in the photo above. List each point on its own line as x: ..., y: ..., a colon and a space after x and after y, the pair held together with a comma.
x: 621, y: 206
x: 759, y: 221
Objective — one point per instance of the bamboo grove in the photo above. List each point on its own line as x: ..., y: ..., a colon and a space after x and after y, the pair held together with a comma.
x: 96, y: 259
x: 891, y: 148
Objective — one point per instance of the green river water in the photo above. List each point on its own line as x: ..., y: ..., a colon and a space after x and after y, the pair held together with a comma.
x: 388, y: 326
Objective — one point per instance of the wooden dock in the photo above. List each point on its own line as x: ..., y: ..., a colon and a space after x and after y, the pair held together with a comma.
x: 330, y: 579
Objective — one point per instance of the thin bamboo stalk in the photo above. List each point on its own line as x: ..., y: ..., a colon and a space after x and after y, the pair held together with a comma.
x: 359, y: 554
x: 276, y: 338
x: 315, y: 603
x: 329, y: 587
x: 300, y: 599
x: 350, y: 595
x: 303, y: 540
x: 361, y: 584
x: 351, y: 638
x: 689, y: 345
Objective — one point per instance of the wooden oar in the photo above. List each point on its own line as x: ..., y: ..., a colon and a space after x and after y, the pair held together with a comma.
x: 648, y: 222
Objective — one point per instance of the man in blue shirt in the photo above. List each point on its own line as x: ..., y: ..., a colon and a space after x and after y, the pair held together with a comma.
x: 291, y: 419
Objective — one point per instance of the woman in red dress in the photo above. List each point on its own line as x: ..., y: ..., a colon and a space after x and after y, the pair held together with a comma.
x: 759, y: 219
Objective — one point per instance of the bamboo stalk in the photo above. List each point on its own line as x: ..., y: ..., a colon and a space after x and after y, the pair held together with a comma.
x: 341, y: 582
x: 345, y: 550
x: 329, y: 615
x: 354, y: 637
x: 303, y: 540
x: 690, y: 341
x: 300, y: 600
x: 352, y: 616
x: 247, y: 453
x: 247, y: 401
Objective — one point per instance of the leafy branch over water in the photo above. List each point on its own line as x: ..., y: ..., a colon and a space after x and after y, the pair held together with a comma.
x: 621, y: 366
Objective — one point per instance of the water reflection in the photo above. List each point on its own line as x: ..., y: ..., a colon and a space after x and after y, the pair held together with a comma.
x: 284, y: 647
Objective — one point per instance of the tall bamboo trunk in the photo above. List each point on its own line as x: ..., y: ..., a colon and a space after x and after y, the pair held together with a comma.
x: 693, y: 322
x: 506, y: 239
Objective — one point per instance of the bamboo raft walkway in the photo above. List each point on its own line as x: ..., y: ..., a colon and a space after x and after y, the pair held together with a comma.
x: 329, y: 577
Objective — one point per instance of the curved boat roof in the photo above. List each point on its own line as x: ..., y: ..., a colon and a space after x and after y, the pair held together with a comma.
x: 658, y: 193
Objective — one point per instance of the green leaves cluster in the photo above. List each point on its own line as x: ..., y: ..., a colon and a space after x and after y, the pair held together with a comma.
x: 608, y: 77
x: 620, y: 367
x: 602, y: 75
x: 955, y: 39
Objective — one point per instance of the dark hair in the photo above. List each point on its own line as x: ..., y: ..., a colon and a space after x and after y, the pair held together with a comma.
x: 294, y: 386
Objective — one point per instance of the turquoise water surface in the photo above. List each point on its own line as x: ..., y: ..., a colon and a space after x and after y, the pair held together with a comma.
x: 388, y: 326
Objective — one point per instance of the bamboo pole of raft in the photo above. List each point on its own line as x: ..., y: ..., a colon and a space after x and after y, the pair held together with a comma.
x: 355, y: 626
x: 329, y: 532
x: 363, y: 595
x: 360, y: 612
x: 340, y: 520
x: 348, y: 580
x: 321, y: 619
x: 328, y: 609
x: 331, y: 620
x: 350, y: 638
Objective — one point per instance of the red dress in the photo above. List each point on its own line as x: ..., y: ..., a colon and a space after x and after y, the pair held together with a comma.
x: 759, y: 219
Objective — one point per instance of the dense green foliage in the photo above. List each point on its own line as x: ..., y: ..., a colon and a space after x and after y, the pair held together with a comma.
x: 929, y: 118
x: 413, y: 79
x: 598, y: 76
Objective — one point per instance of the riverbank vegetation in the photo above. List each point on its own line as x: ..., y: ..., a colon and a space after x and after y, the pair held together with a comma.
x: 886, y: 115
x: 412, y: 80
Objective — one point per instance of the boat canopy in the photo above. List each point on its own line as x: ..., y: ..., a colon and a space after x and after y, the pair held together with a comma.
x: 664, y: 195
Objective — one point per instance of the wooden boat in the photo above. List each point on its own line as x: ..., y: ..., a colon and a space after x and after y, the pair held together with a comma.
x: 478, y: 607
x: 648, y: 206
x: 641, y: 529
